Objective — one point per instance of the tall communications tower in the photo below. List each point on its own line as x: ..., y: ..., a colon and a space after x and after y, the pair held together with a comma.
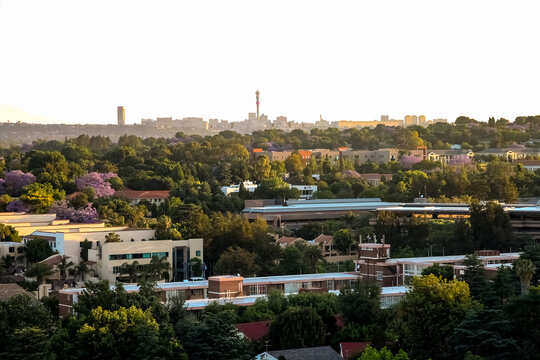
x: 121, y: 114
x: 257, y: 97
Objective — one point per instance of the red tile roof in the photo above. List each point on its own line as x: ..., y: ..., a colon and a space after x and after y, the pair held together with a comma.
x: 529, y: 162
x: 305, y: 153
x: 254, y: 330
x: 322, y: 238
x: 349, y: 350
x: 287, y: 240
x: 141, y: 195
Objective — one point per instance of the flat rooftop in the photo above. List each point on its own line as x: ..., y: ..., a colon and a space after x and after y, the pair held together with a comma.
x: 370, y: 204
x: 247, y: 281
x: 320, y: 205
x: 451, y: 258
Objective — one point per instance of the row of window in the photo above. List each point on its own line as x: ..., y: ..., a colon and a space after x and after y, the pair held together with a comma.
x: 138, y: 256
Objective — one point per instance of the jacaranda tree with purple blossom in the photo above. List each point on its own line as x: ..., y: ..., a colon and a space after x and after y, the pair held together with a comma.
x: 98, y: 181
x: 14, y: 181
x: 407, y: 161
x: 17, y: 206
x: 63, y: 211
x: 460, y: 160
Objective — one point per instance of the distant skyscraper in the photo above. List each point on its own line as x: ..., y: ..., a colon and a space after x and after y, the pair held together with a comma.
x: 121, y: 115
x: 257, y: 96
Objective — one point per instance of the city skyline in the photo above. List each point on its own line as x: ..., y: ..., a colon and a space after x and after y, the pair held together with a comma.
x: 347, y: 62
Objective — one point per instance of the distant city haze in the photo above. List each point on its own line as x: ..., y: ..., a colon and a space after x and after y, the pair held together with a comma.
x: 77, y: 61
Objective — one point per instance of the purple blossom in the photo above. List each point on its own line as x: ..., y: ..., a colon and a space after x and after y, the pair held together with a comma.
x: 350, y: 173
x: 97, y: 181
x: 460, y: 160
x: 17, y: 206
x: 407, y: 161
x: 14, y: 181
x: 65, y: 212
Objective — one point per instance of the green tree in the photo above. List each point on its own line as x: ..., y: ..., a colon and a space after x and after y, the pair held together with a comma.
x: 5, y: 199
x: 276, y: 188
x: 474, y: 275
x: 81, y: 269
x: 525, y: 269
x: 294, y: 163
x: 21, y: 315
x: 262, y: 168
x: 158, y: 268
x: 65, y: 266
x: 196, y: 267
x: 490, y: 226
x: 297, y: 327
x: 360, y: 303
x: 485, y: 333
x: 29, y: 342
x: 428, y: 314
x: 343, y: 241
x: 444, y: 271
x: 131, y: 270
x: 498, y: 175
x: 237, y: 261
x: 214, y: 338
x: 37, y: 250
x: 9, y: 233
x: 165, y: 231
x: 112, y: 237
x: 40, y: 271
x: 126, y: 333
x: 40, y: 197
x: 383, y: 354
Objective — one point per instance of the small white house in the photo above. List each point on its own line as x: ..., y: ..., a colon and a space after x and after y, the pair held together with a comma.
x: 248, y: 185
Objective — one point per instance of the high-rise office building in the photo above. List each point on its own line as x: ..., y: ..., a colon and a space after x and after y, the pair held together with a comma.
x: 121, y: 114
x: 411, y: 120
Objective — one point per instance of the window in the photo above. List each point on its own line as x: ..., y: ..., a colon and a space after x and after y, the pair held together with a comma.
x: 12, y: 249
x: 258, y: 289
x: 379, y: 275
x: 330, y: 284
x: 198, y: 253
x: 116, y: 270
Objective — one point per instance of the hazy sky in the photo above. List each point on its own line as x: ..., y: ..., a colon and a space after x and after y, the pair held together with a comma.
x: 75, y: 61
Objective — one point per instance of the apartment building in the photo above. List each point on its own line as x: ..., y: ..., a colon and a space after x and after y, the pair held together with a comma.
x: 134, y: 245
x: 449, y: 155
x: 374, y: 263
x: 322, y: 154
x: 376, y: 156
x: 511, y: 154
x: 230, y: 288
x: 15, y: 250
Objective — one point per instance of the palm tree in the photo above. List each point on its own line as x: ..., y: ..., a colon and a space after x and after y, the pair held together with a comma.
x: 132, y: 270
x: 158, y: 267
x: 40, y: 271
x: 64, y: 266
x: 81, y: 269
x: 525, y: 269
x: 112, y: 237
